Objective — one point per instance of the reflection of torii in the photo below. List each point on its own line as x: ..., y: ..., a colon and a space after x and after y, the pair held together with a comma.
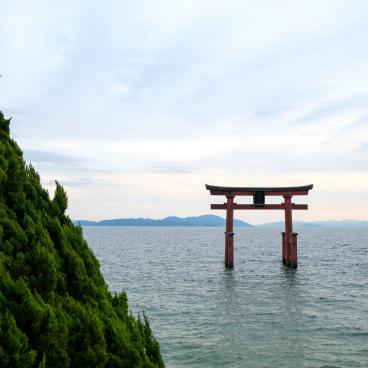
x: 289, y: 238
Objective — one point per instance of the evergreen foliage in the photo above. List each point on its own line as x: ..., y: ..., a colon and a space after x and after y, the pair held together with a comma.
x: 55, y: 307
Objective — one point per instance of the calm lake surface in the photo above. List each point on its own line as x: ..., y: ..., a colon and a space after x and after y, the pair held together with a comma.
x: 257, y: 315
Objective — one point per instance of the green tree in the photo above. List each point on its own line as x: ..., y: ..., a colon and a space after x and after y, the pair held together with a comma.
x: 55, y: 307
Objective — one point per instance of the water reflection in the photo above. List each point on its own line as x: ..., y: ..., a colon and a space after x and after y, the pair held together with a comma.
x: 229, y: 279
x: 289, y: 276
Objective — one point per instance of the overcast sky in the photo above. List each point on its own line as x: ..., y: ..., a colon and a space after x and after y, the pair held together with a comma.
x: 134, y: 105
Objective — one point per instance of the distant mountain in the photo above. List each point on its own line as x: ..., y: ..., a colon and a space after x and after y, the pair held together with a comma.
x: 281, y: 224
x: 308, y: 224
x: 204, y: 220
x: 315, y: 224
x: 275, y: 225
x: 343, y: 223
x: 216, y: 221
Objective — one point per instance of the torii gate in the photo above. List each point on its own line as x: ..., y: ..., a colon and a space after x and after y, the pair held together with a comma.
x: 289, y: 238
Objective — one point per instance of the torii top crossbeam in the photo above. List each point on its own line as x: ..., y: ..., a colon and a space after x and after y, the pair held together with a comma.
x: 289, y: 242
x: 301, y: 190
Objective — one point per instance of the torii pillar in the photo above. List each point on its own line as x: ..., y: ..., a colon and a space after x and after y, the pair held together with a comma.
x: 289, y: 238
x: 229, y: 233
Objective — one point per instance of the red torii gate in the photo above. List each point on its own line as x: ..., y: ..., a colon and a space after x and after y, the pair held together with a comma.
x: 289, y: 238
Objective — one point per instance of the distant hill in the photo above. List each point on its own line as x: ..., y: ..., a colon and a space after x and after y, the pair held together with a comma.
x: 343, y: 223
x: 281, y: 224
x: 315, y: 224
x: 204, y: 220
x: 216, y: 221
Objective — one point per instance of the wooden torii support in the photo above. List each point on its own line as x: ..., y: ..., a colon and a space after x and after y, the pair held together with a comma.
x: 289, y: 238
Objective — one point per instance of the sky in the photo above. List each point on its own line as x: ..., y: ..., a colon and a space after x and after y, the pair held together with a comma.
x: 134, y: 105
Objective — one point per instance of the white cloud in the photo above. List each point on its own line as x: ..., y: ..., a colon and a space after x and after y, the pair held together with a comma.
x: 176, y: 94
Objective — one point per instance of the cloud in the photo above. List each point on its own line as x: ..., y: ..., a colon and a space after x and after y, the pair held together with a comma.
x: 334, y: 108
x: 80, y: 183
x: 169, y: 168
x: 50, y: 157
x: 184, y: 92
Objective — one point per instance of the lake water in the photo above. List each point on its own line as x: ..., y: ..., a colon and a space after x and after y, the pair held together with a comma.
x: 257, y: 315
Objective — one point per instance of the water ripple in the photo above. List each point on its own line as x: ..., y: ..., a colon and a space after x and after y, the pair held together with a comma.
x: 257, y: 315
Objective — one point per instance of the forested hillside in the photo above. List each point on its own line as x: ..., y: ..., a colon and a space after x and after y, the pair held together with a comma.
x: 55, y: 307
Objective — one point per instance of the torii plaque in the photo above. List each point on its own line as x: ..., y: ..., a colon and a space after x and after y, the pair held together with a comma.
x: 289, y: 238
